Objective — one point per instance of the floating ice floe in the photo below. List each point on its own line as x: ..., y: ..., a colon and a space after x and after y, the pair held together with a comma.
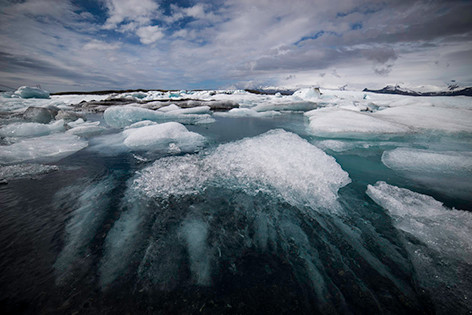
x: 18, y: 171
x: 443, y: 171
x: 31, y: 129
x: 333, y: 121
x: 437, y: 238
x: 49, y: 148
x: 122, y: 116
x: 31, y: 92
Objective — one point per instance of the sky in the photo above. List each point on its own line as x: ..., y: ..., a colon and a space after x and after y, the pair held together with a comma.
x: 80, y: 45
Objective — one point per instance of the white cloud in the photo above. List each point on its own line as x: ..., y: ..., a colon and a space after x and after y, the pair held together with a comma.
x: 119, y: 11
x: 101, y: 45
x: 149, y: 34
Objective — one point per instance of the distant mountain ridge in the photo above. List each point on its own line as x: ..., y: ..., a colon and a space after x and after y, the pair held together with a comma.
x: 390, y: 89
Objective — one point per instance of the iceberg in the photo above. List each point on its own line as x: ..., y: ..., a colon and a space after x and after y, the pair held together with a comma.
x: 46, y: 149
x: 31, y: 92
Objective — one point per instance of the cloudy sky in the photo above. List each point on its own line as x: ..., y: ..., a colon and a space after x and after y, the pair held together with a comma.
x: 187, y: 44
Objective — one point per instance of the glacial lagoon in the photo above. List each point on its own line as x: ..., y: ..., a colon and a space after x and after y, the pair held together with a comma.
x: 340, y: 202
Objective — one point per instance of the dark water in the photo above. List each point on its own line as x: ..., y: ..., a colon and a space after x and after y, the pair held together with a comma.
x: 77, y: 241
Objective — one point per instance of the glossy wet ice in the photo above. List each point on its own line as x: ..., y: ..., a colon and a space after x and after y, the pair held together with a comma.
x: 246, y: 214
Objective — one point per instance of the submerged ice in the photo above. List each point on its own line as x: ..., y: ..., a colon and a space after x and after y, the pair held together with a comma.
x: 437, y: 238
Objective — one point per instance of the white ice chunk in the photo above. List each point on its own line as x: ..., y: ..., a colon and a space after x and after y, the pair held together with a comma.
x: 50, y: 148
x: 339, y: 122
x: 181, y: 175
x: 31, y: 92
x: 31, y: 129
x: 158, y: 136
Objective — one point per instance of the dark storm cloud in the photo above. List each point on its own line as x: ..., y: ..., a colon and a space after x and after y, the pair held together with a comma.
x: 28, y: 65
